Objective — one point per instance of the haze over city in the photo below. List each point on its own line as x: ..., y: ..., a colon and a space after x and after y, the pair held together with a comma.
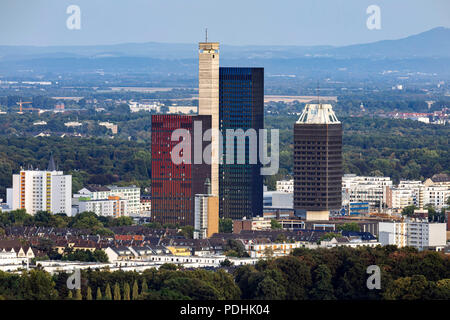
x: 233, y: 22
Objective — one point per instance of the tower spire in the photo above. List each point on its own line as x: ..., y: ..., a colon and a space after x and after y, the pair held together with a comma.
x: 318, y: 93
x: 51, y: 164
x: 206, y: 35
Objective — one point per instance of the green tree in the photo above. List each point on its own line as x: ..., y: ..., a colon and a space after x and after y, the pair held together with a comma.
x: 225, y: 225
x: 409, y: 288
x: 322, y: 286
x: 275, y: 225
x: 117, y: 295
x: 135, y: 292
x: 108, y: 295
x: 352, y: 226
x: 89, y: 293
x: 297, y: 275
x: 409, y: 210
x: 38, y: 285
x: 187, y: 232
x: 269, y: 289
x: 329, y: 236
x: 78, y: 295
x: 98, y: 296
x: 144, y: 286
x: 126, y: 291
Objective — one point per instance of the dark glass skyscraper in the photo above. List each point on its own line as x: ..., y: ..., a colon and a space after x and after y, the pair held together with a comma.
x: 241, y: 106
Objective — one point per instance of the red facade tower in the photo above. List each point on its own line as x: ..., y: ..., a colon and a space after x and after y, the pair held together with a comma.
x: 174, y: 186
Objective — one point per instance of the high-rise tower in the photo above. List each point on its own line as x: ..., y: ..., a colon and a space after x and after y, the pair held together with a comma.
x: 174, y: 186
x: 208, y: 101
x: 241, y: 100
x: 317, y: 162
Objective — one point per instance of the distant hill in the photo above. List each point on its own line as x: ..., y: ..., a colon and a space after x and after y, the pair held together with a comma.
x: 432, y: 43
x: 427, y: 53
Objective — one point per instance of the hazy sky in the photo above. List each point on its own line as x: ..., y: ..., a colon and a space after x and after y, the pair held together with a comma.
x: 240, y: 22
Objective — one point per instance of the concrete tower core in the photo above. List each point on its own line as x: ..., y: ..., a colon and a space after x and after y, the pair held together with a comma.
x: 317, y: 162
x: 208, y: 101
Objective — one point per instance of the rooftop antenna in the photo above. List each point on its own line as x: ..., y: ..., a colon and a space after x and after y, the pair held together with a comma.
x: 206, y: 35
x: 318, y: 94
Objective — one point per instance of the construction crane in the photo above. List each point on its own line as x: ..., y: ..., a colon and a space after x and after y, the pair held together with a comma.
x: 20, y: 103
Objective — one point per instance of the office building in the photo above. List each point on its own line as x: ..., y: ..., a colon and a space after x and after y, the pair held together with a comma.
x: 317, y: 162
x: 241, y: 101
x: 41, y: 190
x: 174, y: 186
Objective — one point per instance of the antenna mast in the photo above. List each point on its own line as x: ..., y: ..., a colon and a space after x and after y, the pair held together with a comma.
x: 206, y: 34
x: 318, y: 94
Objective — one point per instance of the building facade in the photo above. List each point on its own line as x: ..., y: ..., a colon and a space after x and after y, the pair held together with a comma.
x: 366, y: 189
x: 285, y: 186
x: 241, y: 107
x: 420, y: 234
x: 206, y: 216
x: 35, y: 190
x: 130, y: 193
x: 112, y: 207
x: 174, y: 186
x: 208, y: 101
x: 317, y: 162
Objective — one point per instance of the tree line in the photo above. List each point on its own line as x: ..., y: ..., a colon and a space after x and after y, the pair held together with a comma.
x: 320, y: 274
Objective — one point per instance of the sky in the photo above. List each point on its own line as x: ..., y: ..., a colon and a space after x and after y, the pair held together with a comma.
x: 232, y: 22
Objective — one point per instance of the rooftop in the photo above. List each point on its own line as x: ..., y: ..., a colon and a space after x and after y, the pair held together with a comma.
x: 318, y: 114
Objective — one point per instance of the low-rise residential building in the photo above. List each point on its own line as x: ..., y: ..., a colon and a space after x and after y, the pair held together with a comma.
x: 131, y: 193
x: 146, y: 206
x: 255, y: 224
x: 365, y: 189
x: 420, y: 234
x: 111, y: 207
x: 437, y: 196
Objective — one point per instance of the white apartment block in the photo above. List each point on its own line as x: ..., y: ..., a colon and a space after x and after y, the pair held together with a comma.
x: 424, y: 234
x: 420, y: 234
x: 94, y: 193
x: 366, y: 189
x: 285, y: 186
x: 437, y: 196
x: 35, y: 190
x: 401, y: 198
x: 113, y: 207
x: 392, y: 233
x: 132, y: 194
x: 148, y: 107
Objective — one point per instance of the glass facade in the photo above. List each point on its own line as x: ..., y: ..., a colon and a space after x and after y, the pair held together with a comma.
x: 241, y: 106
